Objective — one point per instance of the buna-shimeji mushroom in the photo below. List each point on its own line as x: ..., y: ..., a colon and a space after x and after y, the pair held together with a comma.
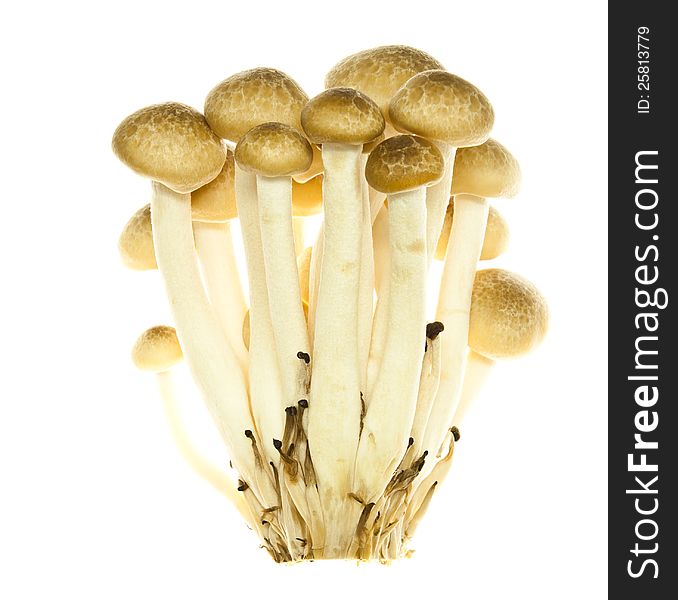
x: 274, y: 152
x: 157, y: 350
x: 377, y: 73
x: 454, y: 113
x: 173, y: 145
x: 232, y: 108
x: 448, y: 109
x: 341, y: 120
x: 483, y: 171
x: 339, y: 452
x: 401, y: 167
x: 508, y: 318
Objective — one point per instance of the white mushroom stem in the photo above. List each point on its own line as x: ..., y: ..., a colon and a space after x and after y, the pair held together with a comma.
x: 203, y: 467
x: 389, y: 418
x: 293, y: 521
x: 314, y: 280
x: 264, y: 376
x: 298, y: 225
x: 437, y: 199
x: 422, y: 507
x: 428, y: 388
x: 264, y: 529
x: 376, y: 202
x: 454, y: 306
x: 382, y: 262
x: 282, y: 279
x: 478, y: 369
x: 385, y: 521
x: 335, y: 405
x: 381, y: 250
x: 214, y: 244
x: 394, y: 549
x: 419, y: 500
x: 209, y: 355
x: 366, y: 285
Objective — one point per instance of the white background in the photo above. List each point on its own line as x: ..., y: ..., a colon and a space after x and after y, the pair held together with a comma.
x: 94, y: 499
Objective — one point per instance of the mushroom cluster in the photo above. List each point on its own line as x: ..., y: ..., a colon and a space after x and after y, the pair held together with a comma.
x: 338, y: 398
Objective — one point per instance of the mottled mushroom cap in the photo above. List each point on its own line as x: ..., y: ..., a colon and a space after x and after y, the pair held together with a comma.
x: 252, y: 97
x: 135, y: 243
x: 496, y: 234
x: 402, y: 163
x: 342, y: 115
x: 441, y: 106
x: 509, y: 316
x: 307, y: 198
x: 170, y: 143
x: 274, y: 150
x: 380, y: 72
x: 488, y: 171
x: 215, y: 202
x: 157, y: 349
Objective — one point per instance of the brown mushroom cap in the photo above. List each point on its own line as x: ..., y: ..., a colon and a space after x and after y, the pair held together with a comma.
x: 488, y: 170
x: 274, y: 150
x: 307, y: 198
x: 496, y: 234
x: 136, y: 242
x: 342, y: 115
x: 252, y: 97
x: 170, y: 143
x: 215, y: 202
x: 380, y: 72
x: 508, y: 317
x: 444, y: 107
x: 402, y: 163
x: 157, y: 349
